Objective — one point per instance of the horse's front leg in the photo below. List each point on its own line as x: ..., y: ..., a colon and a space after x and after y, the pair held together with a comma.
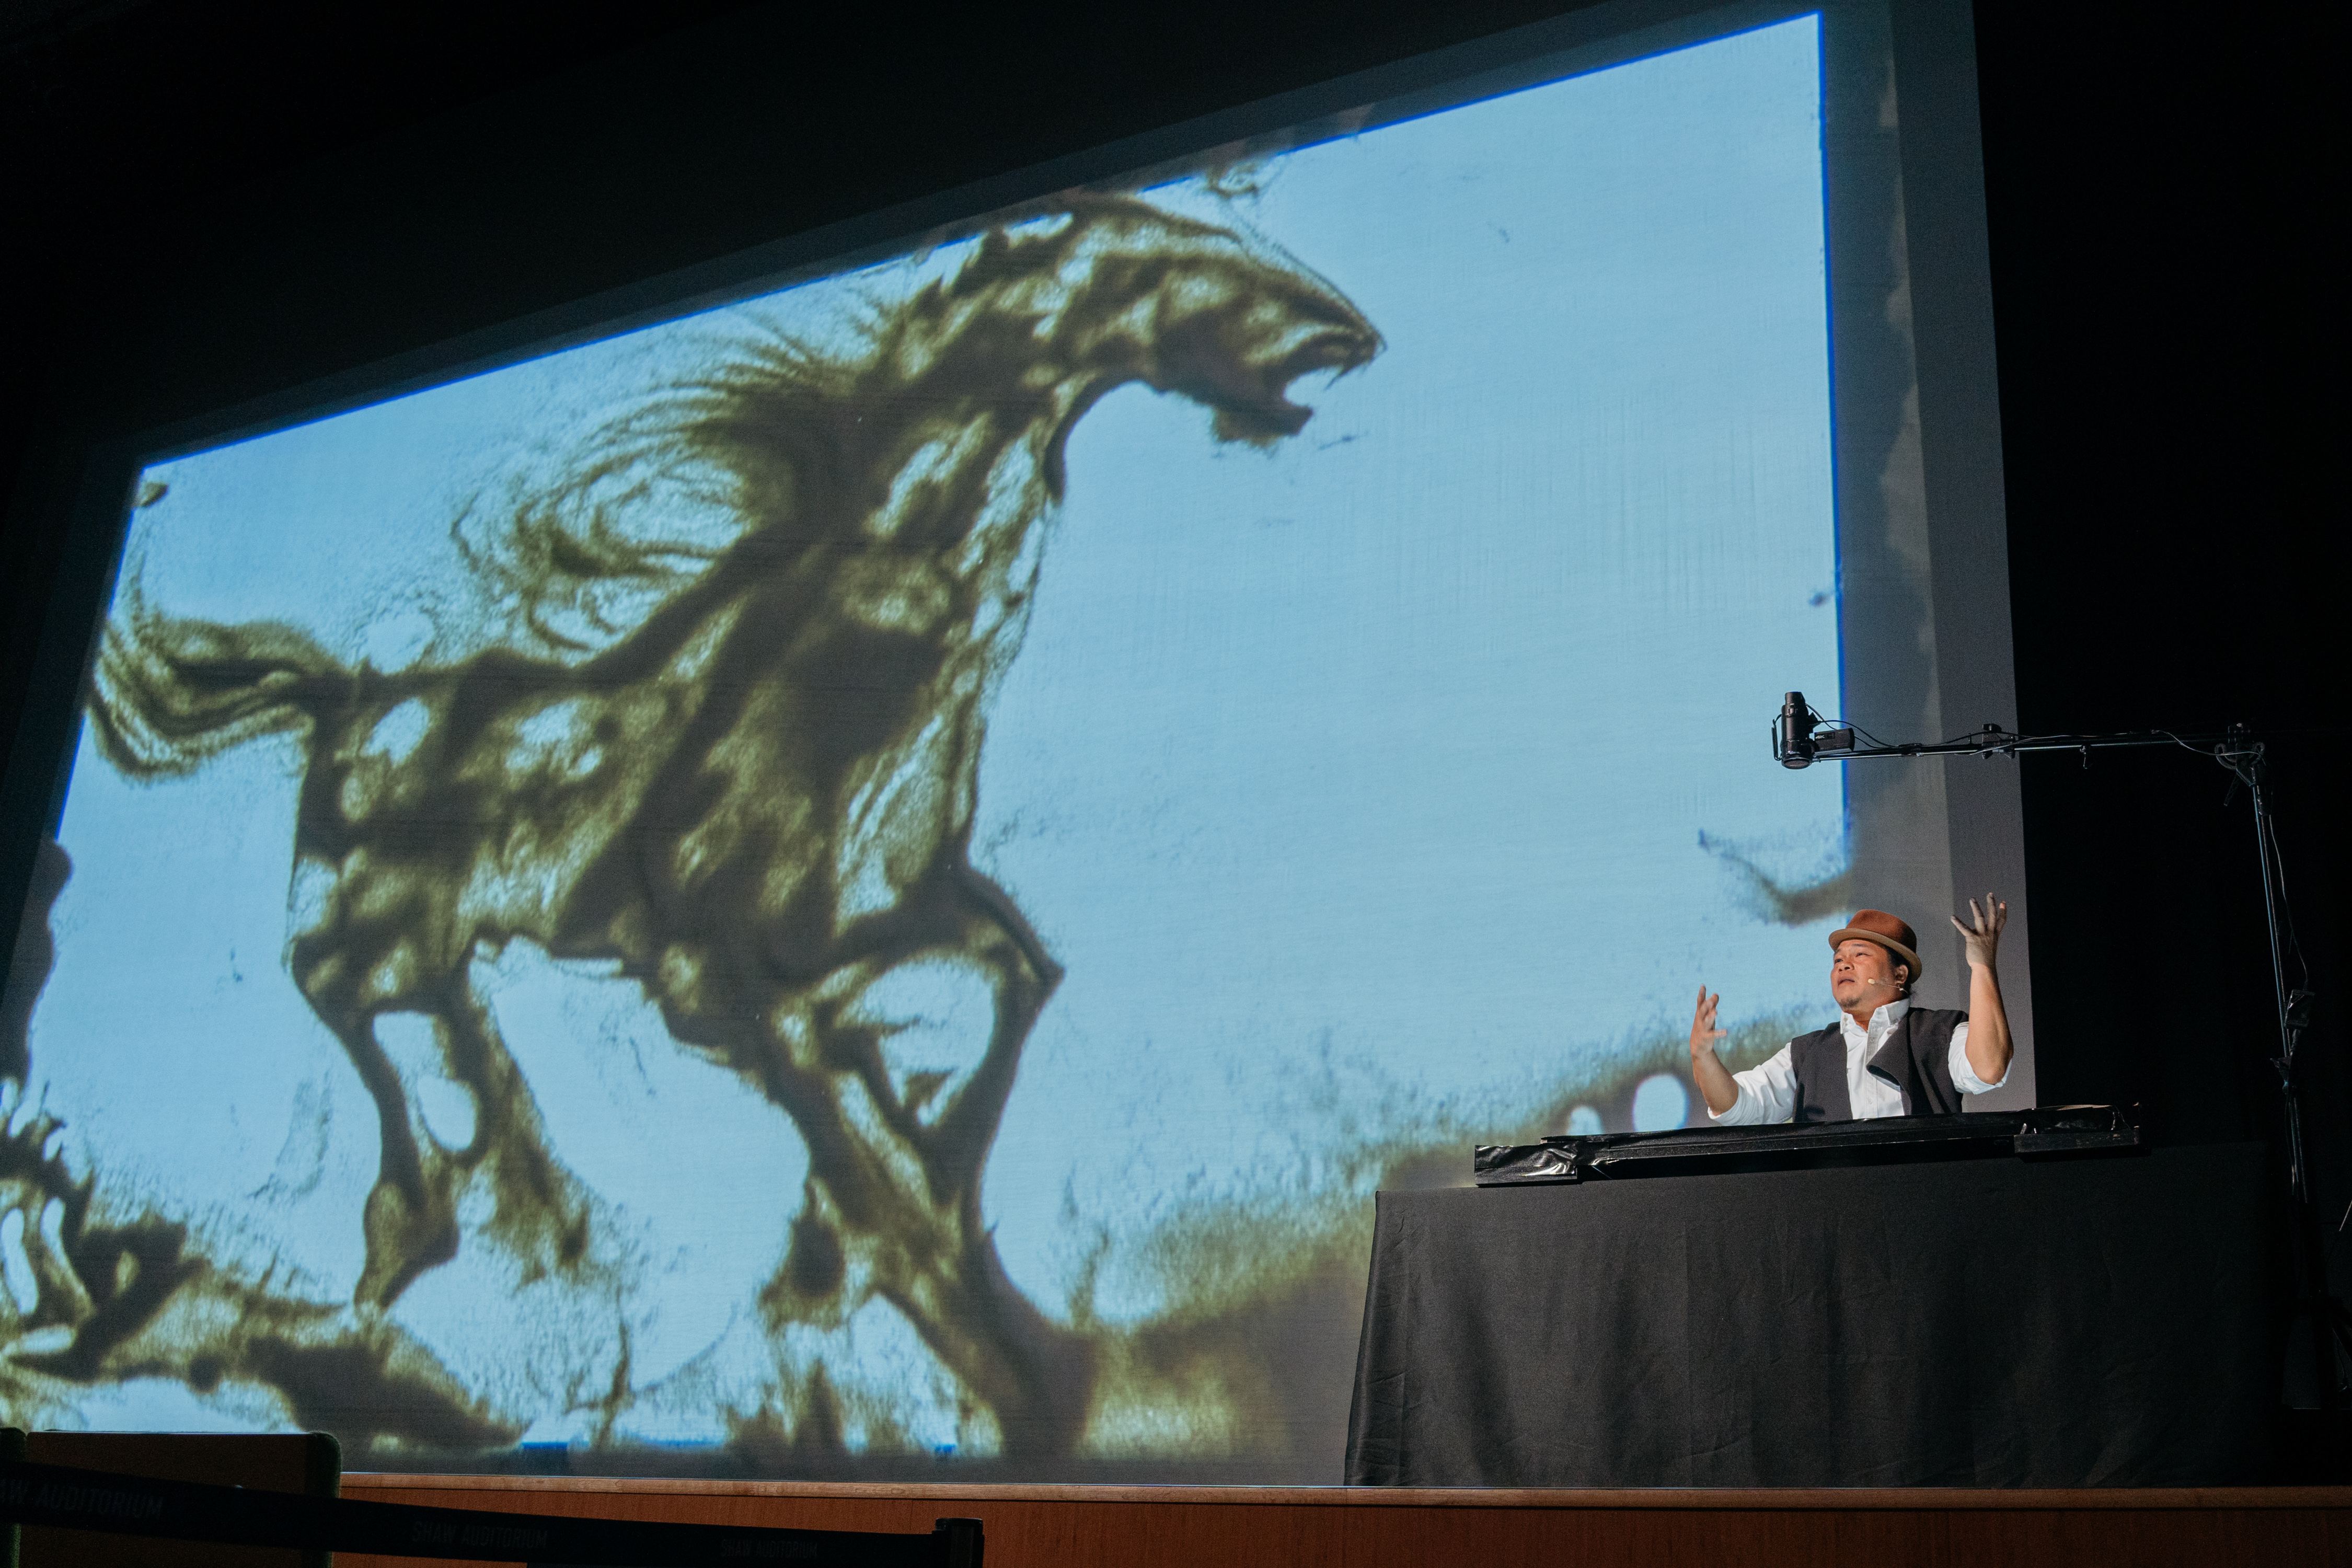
x: 897, y: 1071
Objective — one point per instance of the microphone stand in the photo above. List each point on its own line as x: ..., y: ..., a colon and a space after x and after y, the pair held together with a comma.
x: 1803, y: 737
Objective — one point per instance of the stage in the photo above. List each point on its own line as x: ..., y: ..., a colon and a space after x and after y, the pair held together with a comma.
x: 1361, y: 1527
x: 729, y: 754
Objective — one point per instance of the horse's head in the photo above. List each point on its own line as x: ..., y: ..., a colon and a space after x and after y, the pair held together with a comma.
x: 1122, y: 290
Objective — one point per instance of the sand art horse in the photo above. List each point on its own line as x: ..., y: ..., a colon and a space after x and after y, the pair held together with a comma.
x: 759, y: 799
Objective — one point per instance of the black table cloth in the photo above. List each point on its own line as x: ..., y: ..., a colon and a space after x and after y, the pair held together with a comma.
x: 1996, y: 1322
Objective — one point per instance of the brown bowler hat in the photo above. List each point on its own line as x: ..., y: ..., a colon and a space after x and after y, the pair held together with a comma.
x: 1878, y: 926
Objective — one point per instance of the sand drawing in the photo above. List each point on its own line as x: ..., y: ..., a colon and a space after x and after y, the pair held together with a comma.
x: 742, y: 769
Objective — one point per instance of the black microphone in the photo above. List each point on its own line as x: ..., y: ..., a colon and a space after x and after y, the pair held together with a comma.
x: 1795, y: 747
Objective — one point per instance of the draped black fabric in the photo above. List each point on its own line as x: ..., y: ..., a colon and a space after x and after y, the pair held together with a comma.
x: 1996, y: 1322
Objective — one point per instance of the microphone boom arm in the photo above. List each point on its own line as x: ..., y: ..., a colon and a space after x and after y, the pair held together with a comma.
x: 2232, y: 747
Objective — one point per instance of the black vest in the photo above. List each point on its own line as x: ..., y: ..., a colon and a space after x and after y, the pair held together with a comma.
x: 1917, y: 1058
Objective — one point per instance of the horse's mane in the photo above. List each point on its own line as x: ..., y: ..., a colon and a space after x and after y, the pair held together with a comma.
x: 776, y: 435
x: 579, y: 552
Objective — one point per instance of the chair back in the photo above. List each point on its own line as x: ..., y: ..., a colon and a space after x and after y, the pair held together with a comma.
x: 302, y: 1462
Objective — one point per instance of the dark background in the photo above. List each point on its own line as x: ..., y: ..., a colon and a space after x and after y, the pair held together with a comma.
x: 207, y: 204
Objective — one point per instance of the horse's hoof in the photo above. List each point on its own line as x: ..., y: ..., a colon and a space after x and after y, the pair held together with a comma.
x: 403, y: 1240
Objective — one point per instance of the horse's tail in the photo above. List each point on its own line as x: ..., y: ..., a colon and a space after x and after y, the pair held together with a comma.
x: 167, y: 695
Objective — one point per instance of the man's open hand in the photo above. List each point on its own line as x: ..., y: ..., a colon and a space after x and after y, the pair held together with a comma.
x: 1983, y: 931
x: 1704, y: 1034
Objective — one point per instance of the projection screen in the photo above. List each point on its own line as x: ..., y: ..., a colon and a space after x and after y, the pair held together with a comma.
x: 872, y: 876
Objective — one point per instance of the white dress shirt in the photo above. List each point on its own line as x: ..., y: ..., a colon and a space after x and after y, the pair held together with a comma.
x: 1768, y: 1093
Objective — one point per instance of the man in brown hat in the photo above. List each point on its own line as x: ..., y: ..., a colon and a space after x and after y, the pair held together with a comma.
x: 1883, y: 1056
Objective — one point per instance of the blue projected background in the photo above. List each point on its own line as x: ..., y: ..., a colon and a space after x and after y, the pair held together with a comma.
x: 884, y: 870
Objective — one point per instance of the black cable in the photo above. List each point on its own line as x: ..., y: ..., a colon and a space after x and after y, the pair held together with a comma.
x: 2286, y: 904
x: 1821, y: 723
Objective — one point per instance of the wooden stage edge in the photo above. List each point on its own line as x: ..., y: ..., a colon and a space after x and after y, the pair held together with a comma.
x: 357, y: 1483
x: 1040, y: 1526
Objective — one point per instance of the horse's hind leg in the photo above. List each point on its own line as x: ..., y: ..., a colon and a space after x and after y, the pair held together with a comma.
x: 454, y: 1114
x: 537, y: 1210
x: 410, y: 1220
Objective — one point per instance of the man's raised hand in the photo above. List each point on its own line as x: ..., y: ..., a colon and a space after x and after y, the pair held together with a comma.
x: 1983, y: 931
x: 1716, y: 1084
x: 1704, y: 1034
